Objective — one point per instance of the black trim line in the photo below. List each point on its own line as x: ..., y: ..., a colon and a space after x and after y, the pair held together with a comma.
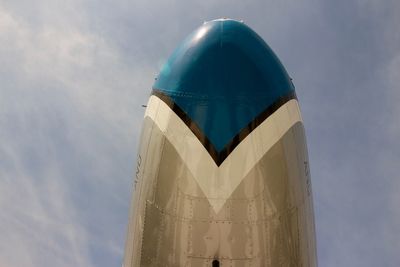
x: 220, y: 156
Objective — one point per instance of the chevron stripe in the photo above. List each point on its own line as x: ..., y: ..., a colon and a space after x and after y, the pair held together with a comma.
x: 219, y: 182
x: 221, y: 155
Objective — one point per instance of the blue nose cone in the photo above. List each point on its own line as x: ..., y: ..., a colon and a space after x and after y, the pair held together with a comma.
x: 222, y: 77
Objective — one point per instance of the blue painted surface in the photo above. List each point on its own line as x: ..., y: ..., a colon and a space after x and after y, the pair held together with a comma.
x: 223, y: 75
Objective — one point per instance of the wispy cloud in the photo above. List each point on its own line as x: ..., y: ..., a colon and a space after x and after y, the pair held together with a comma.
x: 66, y: 128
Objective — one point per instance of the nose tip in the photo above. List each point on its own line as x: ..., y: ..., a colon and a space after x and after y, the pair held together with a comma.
x: 222, y: 76
x: 223, y: 56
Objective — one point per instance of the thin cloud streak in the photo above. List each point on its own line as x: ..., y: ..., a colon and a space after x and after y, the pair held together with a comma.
x: 66, y: 110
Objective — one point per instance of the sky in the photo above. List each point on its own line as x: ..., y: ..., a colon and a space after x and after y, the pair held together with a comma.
x: 73, y: 77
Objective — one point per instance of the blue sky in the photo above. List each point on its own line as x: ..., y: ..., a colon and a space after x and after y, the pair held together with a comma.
x: 74, y: 75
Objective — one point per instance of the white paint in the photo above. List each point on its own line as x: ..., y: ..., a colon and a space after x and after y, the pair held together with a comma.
x: 218, y: 183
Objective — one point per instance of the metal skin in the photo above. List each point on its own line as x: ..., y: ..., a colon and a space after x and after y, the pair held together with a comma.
x: 222, y: 175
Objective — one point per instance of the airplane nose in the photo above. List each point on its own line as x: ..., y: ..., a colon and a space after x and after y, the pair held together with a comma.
x: 222, y: 77
x: 220, y: 177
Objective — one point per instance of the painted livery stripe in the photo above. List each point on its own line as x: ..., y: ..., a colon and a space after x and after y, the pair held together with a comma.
x: 220, y: 156
x: 219, y: 182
